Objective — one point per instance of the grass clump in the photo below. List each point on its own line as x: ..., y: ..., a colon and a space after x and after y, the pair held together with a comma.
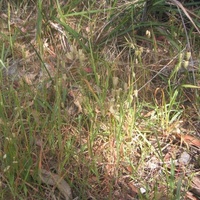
x: 98, y: 97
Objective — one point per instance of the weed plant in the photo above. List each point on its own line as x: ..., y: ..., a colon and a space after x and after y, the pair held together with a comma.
x: 98, y: 92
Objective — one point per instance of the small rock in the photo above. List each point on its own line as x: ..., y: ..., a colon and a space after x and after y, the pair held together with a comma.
x: 184, y: 158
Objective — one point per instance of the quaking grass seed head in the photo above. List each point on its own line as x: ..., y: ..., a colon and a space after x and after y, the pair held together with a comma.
x: 115, y: 81
x: 185, y: 64
x: 188, y: 55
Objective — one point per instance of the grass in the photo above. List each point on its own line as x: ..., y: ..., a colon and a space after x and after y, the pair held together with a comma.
x: 99, y: 97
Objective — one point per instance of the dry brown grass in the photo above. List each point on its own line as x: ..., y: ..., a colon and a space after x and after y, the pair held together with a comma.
x: 101, y: 106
